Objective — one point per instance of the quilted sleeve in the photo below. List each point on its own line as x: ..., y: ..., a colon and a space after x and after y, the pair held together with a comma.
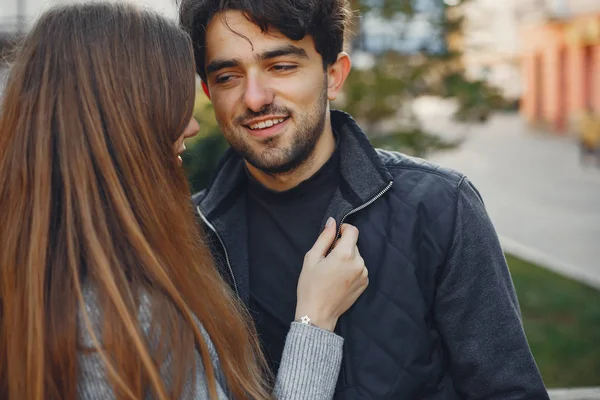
x: 477, y: 312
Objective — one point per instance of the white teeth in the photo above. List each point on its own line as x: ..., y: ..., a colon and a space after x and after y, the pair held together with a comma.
x: 266, y: 124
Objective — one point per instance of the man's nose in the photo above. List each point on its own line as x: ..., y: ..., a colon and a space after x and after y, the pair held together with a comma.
x: 257, y: 94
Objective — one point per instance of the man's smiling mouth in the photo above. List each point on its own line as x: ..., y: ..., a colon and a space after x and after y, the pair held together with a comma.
x: 266, y: 123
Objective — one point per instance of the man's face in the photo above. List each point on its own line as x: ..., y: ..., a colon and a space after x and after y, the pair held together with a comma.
x: 268, y: 91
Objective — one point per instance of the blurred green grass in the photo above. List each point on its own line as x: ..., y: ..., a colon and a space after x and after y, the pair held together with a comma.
x: 562, y: 322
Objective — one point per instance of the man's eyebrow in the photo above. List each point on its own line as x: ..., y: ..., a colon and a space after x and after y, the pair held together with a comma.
x: 216, y: 65
x: 286, y: 50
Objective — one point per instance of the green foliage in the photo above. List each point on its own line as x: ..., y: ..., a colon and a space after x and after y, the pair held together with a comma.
x: 476, y: 99
x: 205, y: 150
x: 373, y: 94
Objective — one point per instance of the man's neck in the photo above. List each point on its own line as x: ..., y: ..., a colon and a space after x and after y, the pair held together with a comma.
x: 324, y: 148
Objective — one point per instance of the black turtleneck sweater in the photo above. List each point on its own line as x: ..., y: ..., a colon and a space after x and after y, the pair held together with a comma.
x: 282, y: 227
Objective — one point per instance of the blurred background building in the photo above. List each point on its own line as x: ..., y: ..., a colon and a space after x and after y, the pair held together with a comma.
x: 543, y: 53
x: 560, y: 60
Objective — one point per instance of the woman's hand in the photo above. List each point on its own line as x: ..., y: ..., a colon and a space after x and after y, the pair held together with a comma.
x: 329, y: 284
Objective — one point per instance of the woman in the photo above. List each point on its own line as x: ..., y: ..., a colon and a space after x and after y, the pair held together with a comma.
x: 106, y: 287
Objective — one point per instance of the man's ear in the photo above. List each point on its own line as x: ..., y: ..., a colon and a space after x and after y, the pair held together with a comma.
x: 337, y: 74
x: 205, y: 89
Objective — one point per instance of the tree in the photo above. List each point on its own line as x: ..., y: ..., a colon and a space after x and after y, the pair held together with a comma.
x: 419, y: 63
x: 380, y: 96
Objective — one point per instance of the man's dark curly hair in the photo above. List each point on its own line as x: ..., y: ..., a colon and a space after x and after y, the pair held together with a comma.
x: 326, y: 21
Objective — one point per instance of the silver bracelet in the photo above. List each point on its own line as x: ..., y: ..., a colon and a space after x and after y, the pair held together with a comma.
x: 305, y: 320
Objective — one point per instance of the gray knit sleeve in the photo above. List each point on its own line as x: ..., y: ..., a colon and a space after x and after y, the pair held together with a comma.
x: 310, y: 364
x: 309, y: 368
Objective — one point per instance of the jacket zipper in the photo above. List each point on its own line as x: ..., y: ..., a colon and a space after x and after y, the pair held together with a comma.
x: 357, y: 209
x: 344, y: 369
x: 224, y: 248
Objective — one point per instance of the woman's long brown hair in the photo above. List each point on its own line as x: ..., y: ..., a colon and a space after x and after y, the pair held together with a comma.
x: 91, y: 194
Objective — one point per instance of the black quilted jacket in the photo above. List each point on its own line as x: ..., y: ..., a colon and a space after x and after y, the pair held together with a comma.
x: 440, y: 319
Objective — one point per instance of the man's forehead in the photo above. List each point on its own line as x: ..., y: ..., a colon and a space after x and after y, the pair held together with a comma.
x: 232, y: 35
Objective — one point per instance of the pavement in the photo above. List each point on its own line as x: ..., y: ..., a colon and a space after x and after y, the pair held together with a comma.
x: 575, y: 394
x: 543, y: 203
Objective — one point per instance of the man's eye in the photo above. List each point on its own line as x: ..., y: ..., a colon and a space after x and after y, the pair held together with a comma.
x: 284, y: 67
x: 224, y: 78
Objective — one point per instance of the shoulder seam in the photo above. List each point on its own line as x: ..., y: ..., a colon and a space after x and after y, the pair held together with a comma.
x: 458, y: 176
x: 450, y: 246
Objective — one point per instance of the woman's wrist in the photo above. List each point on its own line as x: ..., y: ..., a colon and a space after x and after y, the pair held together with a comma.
x: 315, y: 319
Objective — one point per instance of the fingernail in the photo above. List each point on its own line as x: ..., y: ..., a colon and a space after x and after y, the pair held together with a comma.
x: 330, y: 222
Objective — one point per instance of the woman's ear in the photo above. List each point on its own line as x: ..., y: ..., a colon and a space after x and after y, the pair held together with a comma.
x: 205, y: 89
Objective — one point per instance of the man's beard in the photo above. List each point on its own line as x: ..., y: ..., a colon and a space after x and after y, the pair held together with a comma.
x: 272, y: 159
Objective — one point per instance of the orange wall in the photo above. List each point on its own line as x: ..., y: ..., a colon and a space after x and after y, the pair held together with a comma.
x: 527, y: 105
x: 541, y: 51
x: 596, y: 73
x: 576, y: 80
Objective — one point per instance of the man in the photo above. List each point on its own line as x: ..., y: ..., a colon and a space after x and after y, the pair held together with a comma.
x: 440, y: 319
